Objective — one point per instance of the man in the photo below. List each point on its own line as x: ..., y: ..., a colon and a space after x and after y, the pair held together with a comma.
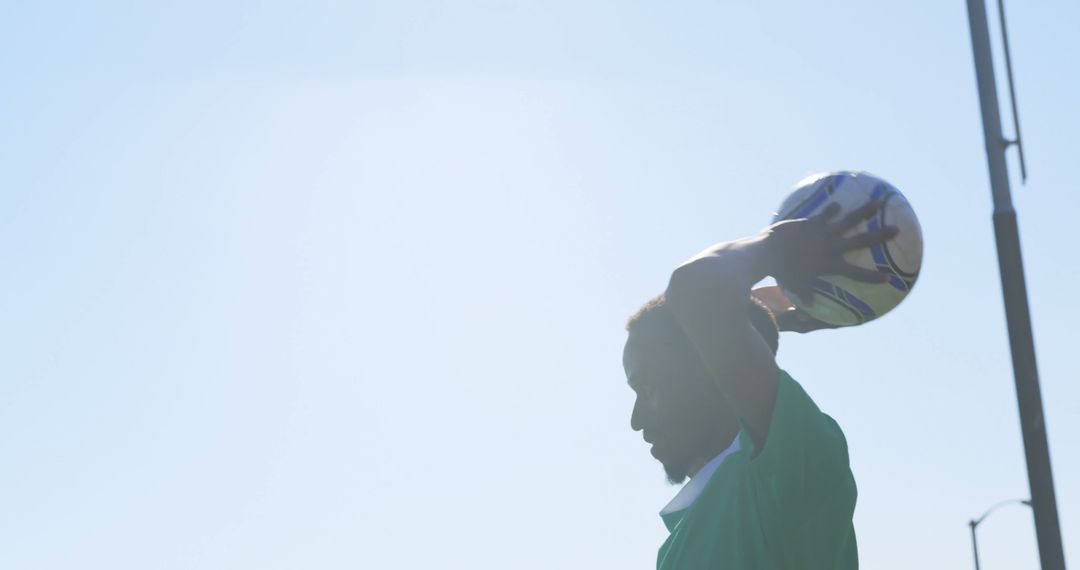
x: 770, y: 483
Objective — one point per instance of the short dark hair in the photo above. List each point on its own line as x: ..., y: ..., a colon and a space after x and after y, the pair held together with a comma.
x: 655, y: 312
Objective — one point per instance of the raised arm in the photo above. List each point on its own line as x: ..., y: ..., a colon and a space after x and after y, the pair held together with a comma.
x: 709, y: 293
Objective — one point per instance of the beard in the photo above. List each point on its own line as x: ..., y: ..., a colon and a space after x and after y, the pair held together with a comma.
x: 676, y: 474
x: 696, y: 446
x: 679, y: 457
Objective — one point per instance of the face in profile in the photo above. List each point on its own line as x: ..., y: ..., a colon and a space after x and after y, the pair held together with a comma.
x: 678, y: 408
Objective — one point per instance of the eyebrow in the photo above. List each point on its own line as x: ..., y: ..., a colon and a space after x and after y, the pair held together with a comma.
x: 634, y: 377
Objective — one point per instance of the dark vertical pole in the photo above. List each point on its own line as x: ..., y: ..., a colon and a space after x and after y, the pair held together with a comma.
x: 1021, y: 343
x: 974, y: 545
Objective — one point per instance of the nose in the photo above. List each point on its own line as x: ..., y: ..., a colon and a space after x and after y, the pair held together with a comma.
x: 635, y: 415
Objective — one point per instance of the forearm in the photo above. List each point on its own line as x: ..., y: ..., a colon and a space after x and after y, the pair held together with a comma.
x: 708, y: 296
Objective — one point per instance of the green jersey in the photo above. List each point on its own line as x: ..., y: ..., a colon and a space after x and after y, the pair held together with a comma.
x: 788, y: 507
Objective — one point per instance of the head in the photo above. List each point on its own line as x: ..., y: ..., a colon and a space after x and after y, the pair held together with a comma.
x: 679, y: 408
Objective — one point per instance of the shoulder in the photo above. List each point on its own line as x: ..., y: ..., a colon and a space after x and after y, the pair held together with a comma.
x: 798, y: 426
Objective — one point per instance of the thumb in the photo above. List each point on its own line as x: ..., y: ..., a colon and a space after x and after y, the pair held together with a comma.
x: 802, y: 295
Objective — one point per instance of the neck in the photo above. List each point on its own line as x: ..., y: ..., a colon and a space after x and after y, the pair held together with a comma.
x: 722, y: 443
x: 697, y: 465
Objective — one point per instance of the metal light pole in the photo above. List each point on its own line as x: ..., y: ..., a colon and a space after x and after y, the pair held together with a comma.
x: 975, y: 522
x: 1021, y: 343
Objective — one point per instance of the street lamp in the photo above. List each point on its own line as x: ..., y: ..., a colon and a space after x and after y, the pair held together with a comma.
x: 1014, y: 289
x: 975, y: 522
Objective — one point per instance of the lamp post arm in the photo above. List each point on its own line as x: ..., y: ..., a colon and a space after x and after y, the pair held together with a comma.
x: 979, y: 520
x: 976, y: 522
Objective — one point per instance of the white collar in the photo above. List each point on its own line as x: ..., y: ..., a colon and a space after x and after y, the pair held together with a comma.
x: 690, y: 491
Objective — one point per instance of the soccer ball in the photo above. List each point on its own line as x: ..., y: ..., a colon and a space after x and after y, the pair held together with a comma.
x: 840, y: 300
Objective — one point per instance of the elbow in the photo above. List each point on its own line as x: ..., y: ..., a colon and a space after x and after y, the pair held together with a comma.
x: 700, y: 280
x: 686, y: 279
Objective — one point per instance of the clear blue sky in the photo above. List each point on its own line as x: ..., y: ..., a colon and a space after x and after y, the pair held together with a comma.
x: 342, y: 285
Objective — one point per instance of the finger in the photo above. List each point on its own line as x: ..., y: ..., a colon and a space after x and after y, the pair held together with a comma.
x: 810, y: 324
x: 787, y: 320
x: 795, y: 321
x: 828, y: 213
x: 863, y: 212
x: 799, y: 321
x: 805, y: 294
x: 862, y: 274
x: 868, y: 239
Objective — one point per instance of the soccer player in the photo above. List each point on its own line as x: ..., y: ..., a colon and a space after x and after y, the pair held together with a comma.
x: 770, y: 486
